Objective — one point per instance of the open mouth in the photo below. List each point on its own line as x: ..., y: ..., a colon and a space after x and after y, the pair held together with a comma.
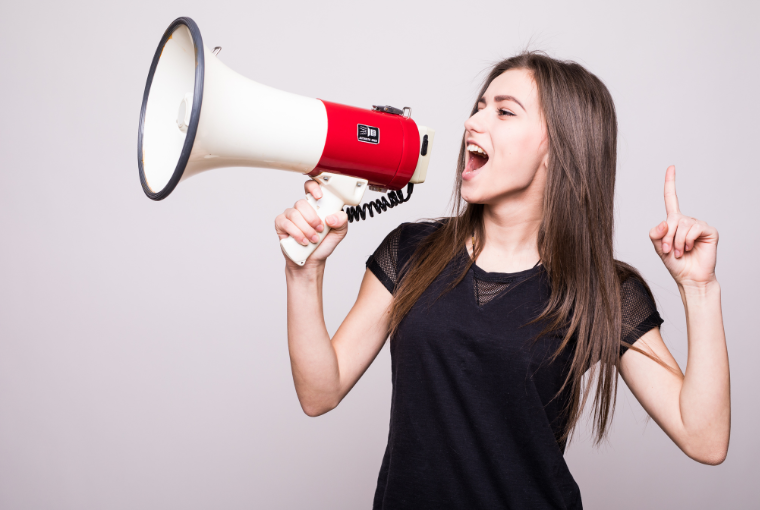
x: 476, y: 158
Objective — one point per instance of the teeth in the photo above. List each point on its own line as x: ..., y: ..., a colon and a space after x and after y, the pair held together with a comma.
x: 476, y: 149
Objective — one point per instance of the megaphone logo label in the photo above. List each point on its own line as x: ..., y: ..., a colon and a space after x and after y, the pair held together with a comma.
x: 367, y: 134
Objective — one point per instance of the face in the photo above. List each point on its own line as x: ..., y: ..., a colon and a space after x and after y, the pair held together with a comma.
x: 507, y: 147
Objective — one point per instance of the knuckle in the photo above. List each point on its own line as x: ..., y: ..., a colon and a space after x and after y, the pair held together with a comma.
x: 304, y: 207
x: 305, y: 213
x: 311, y: 217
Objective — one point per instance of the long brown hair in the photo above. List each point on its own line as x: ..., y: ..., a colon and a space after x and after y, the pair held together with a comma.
x: 575, y: 239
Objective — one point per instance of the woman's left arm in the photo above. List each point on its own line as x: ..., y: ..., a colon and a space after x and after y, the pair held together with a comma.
x: 694, y: 409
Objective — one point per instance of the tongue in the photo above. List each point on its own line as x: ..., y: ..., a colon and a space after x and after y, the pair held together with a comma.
x: 476, y: 162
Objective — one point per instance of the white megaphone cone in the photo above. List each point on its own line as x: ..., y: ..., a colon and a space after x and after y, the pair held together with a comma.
x: 197, y: 115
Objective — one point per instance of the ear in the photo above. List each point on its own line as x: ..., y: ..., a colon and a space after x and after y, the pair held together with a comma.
x: 545, y: 148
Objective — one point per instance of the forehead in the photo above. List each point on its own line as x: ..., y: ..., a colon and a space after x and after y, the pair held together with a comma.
x: 515, y: 82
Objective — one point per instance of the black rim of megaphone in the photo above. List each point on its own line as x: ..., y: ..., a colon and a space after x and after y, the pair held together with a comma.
x: 195, y: 113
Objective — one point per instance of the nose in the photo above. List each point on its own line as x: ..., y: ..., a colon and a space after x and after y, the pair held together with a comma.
x: 473, y: 124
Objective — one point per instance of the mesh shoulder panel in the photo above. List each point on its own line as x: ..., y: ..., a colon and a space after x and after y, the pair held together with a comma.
x: 384, y: 262
x: 639, y: 312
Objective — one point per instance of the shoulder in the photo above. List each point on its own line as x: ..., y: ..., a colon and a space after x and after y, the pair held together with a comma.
x: 638, y: 309
x: 414, y: 233
x: 397, y: 248
x: 407, y: 236
x: 633, y: 287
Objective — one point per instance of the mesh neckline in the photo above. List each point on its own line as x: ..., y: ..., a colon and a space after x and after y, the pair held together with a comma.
x: 482, y: 274
x: 488, y: 286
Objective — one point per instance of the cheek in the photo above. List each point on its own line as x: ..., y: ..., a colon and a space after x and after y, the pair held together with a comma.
x: 521, y: 152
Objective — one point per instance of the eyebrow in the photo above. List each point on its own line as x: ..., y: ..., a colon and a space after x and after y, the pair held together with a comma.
x: 498, y: 99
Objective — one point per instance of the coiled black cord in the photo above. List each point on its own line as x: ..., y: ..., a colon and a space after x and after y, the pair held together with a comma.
x: 380, y: 205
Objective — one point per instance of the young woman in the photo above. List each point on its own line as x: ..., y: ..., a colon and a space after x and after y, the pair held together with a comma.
x: 496, y: 313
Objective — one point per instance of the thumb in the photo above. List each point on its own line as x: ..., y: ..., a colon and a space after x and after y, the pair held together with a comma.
x: 337, y: 221
x: 656, y: 235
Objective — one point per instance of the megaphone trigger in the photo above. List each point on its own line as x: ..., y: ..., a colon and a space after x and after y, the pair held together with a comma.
x: 337, y: 192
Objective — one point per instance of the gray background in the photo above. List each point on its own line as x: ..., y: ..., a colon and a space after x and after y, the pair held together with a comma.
x: 143, y: 357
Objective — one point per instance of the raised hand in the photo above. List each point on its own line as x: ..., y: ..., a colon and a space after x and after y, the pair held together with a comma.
x: 687, y: 246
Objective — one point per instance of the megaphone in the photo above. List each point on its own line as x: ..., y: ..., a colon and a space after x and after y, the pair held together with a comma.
x: 197, y: 115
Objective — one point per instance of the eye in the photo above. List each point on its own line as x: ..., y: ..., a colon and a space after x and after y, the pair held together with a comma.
x: 505, y: 113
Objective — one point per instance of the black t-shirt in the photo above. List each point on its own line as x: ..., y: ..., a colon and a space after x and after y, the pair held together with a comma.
x: 474, y: 419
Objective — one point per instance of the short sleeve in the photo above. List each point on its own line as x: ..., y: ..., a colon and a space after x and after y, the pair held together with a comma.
x: 640, y: 313
x: 384, y: 262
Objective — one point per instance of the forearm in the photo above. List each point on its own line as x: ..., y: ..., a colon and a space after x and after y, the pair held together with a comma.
x: 312, y: 357
x: 704, y: 399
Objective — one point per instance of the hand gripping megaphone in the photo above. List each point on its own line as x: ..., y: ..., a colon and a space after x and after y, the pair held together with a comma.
x: 197, y: 115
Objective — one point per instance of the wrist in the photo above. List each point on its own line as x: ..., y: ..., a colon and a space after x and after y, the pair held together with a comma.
x: 309, y: 270
x: 690, y: 288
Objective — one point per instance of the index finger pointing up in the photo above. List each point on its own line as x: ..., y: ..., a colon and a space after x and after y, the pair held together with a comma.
x: 671, y: 199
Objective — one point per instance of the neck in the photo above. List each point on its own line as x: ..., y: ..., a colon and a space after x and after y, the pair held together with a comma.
x: 511, y: 233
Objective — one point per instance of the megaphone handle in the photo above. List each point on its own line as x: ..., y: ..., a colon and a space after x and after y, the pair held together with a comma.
x: 297, y: 252
x: 337, y: 191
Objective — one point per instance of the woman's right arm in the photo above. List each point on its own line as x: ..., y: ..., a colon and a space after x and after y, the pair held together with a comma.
x: 325, y: 369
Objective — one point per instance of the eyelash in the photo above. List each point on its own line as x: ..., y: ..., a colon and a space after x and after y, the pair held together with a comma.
x: 501, y: 112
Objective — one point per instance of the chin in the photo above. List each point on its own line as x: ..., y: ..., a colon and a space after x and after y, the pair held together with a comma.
x: 483, y: 194
x: 473, y: 196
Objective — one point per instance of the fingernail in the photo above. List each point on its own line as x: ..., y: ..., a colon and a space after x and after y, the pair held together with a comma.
x: 315, y: 238
x: 320, y: 227
x: 665, y: 247
x: 678, y: 253
x: 305, y: 242
x: 329, y: 220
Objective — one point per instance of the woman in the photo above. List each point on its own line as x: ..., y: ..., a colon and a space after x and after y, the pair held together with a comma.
x: 496, y: 313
